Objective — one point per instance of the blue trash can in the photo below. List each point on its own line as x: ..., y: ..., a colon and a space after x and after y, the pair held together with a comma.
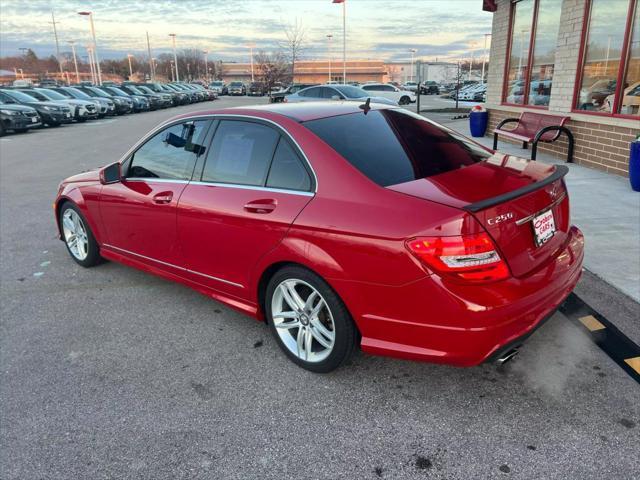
x: 478, y: 123
x: 634, y: 164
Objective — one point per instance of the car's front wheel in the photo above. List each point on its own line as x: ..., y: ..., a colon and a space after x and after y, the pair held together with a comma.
x: 404, y: 100
x: 308, y: 320
x: 78, y: 237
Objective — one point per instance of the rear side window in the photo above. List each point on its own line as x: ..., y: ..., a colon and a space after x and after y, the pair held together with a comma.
x: 170, y: 154
x: 287, y: 170
x: 395, y: 146
x: 241, y: 153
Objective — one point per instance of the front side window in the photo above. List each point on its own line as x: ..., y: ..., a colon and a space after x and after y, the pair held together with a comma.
x: 241, y: 153
x: 315, y: 92
x: 532, y: 48
x: 611, y: 52
x: 330, y: 93
x: 170, y: 154
x: 396, y: 146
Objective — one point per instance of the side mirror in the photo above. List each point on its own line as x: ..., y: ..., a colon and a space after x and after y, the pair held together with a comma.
x: 110, y: 174
x: 336, y: 97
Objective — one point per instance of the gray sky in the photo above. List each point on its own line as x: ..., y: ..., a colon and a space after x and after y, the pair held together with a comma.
x: 376, y: 29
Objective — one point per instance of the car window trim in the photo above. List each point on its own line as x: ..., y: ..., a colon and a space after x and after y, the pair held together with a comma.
x: 209, y: 150
x: 221, y: 116
x: 130, y: 155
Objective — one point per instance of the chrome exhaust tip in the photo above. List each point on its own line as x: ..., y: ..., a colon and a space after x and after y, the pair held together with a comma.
x: 507, y: 356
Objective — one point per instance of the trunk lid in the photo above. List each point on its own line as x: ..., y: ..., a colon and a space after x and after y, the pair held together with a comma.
x: 504, y: 194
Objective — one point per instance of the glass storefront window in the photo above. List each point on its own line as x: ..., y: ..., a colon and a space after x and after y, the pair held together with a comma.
x: 602, y: 54
x: 544, y: 52
x: 519, y: 51
x: 630, y: 104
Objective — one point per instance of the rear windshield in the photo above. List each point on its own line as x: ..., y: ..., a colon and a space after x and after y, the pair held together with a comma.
x: 396, y: 146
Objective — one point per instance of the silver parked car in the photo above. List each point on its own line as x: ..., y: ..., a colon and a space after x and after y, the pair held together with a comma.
x: 335, y: 92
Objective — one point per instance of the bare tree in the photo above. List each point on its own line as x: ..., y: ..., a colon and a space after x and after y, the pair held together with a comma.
x: 295, y: 44
x: 272, y: 68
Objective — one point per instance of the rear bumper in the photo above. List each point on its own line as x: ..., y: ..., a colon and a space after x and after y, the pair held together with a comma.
x: 464, y: 325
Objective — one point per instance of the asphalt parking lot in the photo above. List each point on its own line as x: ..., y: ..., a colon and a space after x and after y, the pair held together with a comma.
x: 113, y: 373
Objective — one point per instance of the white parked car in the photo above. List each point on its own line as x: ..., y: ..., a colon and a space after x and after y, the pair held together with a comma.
x: 386, y: 90
x: 335, y: 92
x: 410, y: 86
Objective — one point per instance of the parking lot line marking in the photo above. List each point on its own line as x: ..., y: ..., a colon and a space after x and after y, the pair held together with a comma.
x: 633, y: 363
x: 591, y: 323
x: 620, y: 348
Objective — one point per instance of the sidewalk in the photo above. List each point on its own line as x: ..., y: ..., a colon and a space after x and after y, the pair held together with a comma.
x: 603, y: 206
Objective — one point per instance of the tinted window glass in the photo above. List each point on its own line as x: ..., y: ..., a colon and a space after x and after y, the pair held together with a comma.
x: 19, y: 96
x: 287, y: 170
x: 329, y: 93
x: 396, y: 146
x: 315, y: 92
x: 241, y: 153
x: 170, y: 154
x: 350, y: 91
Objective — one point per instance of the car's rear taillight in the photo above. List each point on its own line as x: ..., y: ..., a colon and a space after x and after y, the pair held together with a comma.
x: 472, y: 258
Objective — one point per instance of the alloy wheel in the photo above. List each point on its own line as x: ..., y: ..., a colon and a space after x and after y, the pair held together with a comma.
x: 75, y: 234
x: 303, y: 320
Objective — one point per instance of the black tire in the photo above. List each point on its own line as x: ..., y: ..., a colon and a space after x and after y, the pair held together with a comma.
x: 93, y: 252
x: 53, y: 125
x: 2, y: 130
x: 404, y: 100
x: 21, y: 130
x: 345, y: 330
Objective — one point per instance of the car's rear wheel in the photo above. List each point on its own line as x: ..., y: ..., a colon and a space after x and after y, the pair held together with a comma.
x: 308, y: 320
x: 404, y: 100
x: 78, y: 237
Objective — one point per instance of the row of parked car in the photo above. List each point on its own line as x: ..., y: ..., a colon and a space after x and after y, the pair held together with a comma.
x: 470, y: 92
x: 26, y: 107
x: 378, y: 92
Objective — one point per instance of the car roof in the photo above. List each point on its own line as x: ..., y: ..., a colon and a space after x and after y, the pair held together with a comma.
x: 300, y: 112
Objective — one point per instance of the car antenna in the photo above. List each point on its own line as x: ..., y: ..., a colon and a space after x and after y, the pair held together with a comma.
x: 366, y: 106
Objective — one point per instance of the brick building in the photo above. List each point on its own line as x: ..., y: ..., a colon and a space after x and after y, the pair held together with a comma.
x: 577, y: 58
x: 315, y: 71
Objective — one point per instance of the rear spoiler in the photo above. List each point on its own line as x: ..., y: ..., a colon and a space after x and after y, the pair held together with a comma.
x: 559, y: 172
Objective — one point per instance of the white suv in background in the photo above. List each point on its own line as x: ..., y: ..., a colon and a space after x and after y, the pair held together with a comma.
x: 386, y: 90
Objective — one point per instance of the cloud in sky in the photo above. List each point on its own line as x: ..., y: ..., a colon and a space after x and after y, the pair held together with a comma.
x: 376, y: 29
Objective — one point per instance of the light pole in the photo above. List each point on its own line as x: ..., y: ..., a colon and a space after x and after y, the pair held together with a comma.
x: 175, y: 55
x: 152, y: 74
x: 91, y: 66
x: 206, y: 66
x: 250, y: 47
x: 55, y: 35
x: 344, y: 39
x: 95, y: 45
x: 75, y: 60
x: 484, y: 55
x: 413, y: 52
x: 173, y: 72
x: 329, y: 37
x: 130, y: 68
x: 471, y: 45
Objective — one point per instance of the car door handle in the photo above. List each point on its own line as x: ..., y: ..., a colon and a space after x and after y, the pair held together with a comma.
x: 163, y: 197
x: 261, y: 206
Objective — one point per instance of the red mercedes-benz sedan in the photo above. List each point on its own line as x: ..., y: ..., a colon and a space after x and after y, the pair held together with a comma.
x: 338, y: 224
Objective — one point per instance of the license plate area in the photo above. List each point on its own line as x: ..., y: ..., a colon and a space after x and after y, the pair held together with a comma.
x: 544, y: 227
